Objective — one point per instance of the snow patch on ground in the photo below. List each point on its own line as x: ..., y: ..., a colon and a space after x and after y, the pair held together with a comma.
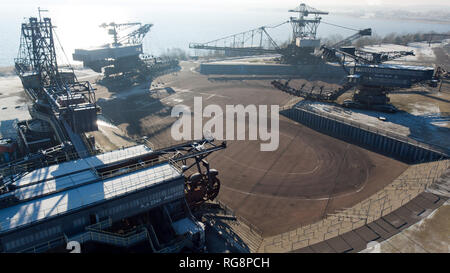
x: 424, y: 49
x: 431, y: 112
x: 424, y: 108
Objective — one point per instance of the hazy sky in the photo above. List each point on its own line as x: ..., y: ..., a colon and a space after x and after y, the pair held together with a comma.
x: 236, y: 3
x: 7, y: 8
x: 179, y: 22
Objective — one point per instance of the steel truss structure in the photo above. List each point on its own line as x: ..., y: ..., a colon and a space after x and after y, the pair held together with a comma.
x: 304, y: 26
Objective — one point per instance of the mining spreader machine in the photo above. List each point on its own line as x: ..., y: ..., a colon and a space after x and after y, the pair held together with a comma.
x: 367, y: 73
x: 299, y: 50
x: 123, y: 62
x: 62, y: 195
x: 63, y: 108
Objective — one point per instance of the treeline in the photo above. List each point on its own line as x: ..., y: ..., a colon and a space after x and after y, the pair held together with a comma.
x: 175, y: 53
x: 182, y: 55
x: 392, y: 38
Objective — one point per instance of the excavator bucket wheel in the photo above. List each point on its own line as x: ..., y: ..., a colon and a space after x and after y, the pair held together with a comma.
x: 213, y: 188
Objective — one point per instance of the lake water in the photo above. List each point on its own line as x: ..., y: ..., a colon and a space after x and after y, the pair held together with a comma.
x: 174, y: 27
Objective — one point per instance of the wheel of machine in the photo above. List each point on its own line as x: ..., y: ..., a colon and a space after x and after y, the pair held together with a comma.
x: 213, y: 188
x: 199, y: 188
x: 196, y: 189
x: 195, y: 179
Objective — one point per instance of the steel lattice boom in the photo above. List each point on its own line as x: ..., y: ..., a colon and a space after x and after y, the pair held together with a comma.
x: 359, y: 34
x: 358, y: 55
x: 258, y: 41
x: 133, y: 38
x: 381, y: 57
x: 255, y: 41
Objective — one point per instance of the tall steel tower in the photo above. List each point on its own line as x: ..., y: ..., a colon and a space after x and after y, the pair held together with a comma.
x: 37, y: 51
x: 304, y: 26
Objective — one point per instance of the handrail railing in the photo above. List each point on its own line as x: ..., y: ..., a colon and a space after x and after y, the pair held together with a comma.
x: 251, y: 226
x: 130, y: 168
x: 13, y: 168
x: 173, y: 247
x: 42, y: 247
x: 135, y: 236
x: 62, y: 207
x: 100, y: 225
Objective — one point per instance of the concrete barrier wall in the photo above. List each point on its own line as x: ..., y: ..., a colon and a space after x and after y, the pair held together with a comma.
x: 323, y: 70
x: 406, y: 151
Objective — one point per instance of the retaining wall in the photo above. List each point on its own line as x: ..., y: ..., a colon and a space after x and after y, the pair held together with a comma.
x: 389, y: 144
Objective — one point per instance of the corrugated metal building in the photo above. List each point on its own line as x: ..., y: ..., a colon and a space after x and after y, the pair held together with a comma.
x: 76, y: 201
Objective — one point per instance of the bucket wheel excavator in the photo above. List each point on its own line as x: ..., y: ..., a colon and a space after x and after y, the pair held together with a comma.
x: 202, y: 182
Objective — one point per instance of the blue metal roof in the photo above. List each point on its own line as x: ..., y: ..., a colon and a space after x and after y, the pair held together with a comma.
x: 74, y: 198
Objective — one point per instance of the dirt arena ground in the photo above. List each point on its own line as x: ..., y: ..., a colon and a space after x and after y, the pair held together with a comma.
x: 308, y: 176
